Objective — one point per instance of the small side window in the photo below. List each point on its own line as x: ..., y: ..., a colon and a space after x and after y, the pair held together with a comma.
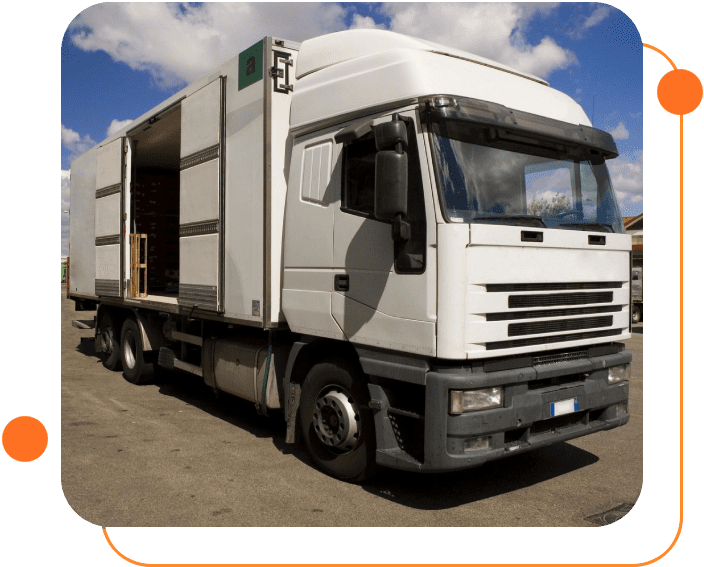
x: 358, y: 196
x: 358, y: 192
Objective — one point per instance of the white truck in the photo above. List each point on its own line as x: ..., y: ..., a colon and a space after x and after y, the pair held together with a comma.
x: 412, y: 254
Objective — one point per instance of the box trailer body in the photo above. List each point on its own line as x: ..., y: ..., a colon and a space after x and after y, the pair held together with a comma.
x: 414, y: 253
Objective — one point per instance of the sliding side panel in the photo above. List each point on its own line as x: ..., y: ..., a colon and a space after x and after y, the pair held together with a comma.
x: 200, y: 228
x: 109, y: 191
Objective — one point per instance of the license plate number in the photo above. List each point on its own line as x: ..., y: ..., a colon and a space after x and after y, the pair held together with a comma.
x: 564, y: 407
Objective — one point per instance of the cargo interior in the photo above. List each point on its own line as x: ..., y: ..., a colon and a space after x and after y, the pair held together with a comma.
x: 155, y: 200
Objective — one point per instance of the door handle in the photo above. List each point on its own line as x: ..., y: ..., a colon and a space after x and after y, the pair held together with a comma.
x: 342, y: 282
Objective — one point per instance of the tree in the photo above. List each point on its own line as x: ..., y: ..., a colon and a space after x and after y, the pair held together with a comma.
x: 545, y: 208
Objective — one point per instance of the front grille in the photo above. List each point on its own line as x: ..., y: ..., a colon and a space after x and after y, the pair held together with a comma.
x: 555, y: 358
x: 518, y: 329
x: 551, y: 339
x: 544, y: 313
x: 563, y: 286
x: 518, y: 301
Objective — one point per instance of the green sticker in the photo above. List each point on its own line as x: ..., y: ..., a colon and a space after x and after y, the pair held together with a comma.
x: 251, y: 65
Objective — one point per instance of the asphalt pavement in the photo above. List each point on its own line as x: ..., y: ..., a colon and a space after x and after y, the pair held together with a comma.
x: 174, y: 453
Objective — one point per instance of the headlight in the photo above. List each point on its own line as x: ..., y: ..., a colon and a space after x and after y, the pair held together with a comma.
x: 619, y: 373
x: 462, y: 401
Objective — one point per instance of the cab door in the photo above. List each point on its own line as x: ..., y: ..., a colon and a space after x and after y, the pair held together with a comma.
x: 201, y: 199
x: 384, y: 291
x: 109, y: 218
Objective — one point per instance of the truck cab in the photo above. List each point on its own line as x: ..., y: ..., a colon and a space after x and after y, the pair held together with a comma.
x: 487, y: 307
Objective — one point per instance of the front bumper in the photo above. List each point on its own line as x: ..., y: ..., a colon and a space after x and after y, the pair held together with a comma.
x: 435, y: 440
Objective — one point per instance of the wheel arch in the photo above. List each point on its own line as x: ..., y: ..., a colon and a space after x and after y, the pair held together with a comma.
x: 152, y: 334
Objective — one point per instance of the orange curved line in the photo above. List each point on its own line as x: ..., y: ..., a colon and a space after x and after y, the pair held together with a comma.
x: 105, y: 532
x: 661, y: 53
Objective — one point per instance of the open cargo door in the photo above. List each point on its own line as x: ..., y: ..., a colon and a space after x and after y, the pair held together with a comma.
x: 109, y: 191
x: 201, y: 229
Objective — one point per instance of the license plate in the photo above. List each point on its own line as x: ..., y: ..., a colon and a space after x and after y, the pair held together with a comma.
x: 564, y: 407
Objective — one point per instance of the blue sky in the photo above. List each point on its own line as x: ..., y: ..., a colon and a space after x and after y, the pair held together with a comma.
x: 120, y: 60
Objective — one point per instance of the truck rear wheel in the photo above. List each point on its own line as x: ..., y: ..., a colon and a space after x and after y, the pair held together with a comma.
x: 107, y: 336
x: 336, y: 422
x: 137, y: 366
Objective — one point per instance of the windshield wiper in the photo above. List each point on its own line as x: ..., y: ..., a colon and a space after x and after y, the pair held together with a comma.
x: 589, y: 225
x: 518, y: 220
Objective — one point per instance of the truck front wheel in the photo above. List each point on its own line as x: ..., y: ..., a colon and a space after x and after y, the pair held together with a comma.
x: 336, y: 422
x: 135, y: 366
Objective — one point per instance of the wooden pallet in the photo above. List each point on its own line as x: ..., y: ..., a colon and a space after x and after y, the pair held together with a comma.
x: 138, y: 265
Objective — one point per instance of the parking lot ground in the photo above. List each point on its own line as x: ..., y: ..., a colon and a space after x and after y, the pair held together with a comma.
x: 175, y: 454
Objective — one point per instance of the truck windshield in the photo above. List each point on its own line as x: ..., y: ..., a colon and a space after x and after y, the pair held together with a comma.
x: 530, y: 185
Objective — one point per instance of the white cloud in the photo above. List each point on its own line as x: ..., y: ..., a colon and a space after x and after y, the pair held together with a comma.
x: 582, y: 22
x: 620, y: 132
x: 627, y: 179
x: 116, y: 125
x: 597, y: 16
x: 365, y: 22
x: 493, y: 30
x: 178, y: 43
x: 65, y: 206
x: 75, y: 143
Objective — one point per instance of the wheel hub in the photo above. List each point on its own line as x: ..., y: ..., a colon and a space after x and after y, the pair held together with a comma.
x: 336, y: 419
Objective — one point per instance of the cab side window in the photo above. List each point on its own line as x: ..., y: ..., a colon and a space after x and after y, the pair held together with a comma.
x: 358, y: 196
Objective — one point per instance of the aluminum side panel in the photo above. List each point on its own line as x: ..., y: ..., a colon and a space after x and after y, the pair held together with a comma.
x: 82, y: 219
x: 109, y: 164
x: 200, y: 190
x: 244, y: 199
x: 107, y: 262
x: 107, y: 215
x: 199, y: 197
x: 200, y: 119
x: 198, y: 265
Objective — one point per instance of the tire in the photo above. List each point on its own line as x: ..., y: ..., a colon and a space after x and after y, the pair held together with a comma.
x: 636, y: 314
x: 136, y: 367
x: 107, y: 335
x: 336, y: 423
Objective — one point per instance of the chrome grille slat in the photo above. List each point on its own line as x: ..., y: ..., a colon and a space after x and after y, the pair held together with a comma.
x: 556, y: 286
x: 553, y: 299
x: 544, y: 313
x: 538, y: 327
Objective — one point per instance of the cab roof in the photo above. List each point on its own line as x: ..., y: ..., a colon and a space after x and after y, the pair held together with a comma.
x: 328, y: 50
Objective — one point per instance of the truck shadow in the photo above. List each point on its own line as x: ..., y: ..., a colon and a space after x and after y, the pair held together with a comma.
x: 434, y: 491
x: 441, y: 491
x: 238, y: 412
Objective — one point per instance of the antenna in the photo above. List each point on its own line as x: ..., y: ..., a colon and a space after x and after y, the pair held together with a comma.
x: 593, y: 101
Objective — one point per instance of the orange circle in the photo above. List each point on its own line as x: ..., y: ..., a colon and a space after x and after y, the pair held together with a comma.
x: 680, y: 91
x: 25, y: 438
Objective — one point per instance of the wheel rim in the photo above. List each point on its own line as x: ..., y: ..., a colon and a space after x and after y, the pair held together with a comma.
x: 106, y: 337
x: 129, y: 349
x: 336, y: 419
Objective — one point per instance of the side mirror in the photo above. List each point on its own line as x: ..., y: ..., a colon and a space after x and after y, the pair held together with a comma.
x: 391, y: 185
x: 391, y: 176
